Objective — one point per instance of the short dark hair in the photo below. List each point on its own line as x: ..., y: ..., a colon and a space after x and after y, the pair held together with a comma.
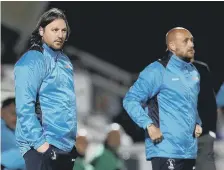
x: 48, y: 17
x: 8, y: 101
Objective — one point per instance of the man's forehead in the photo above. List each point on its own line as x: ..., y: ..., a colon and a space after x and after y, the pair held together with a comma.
x: 183, y: 34
x: 57, y: 23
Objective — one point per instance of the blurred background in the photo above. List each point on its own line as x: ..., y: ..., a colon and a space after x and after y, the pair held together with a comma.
x: 110, y: 43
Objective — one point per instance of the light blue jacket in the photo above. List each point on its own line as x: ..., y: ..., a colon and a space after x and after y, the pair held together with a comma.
x: 10, y: 155
x: 48, y: 73
x: 220, y: 97
x: 176, y: 88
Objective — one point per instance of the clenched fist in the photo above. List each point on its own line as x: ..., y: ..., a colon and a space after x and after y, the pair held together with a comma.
x: 155, y: 134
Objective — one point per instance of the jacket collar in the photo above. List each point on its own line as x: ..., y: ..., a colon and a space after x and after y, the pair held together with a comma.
x: 177, y: 61
x: 53, y: 53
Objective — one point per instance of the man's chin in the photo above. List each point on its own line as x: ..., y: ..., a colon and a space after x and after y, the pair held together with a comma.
x: 57, y: 47
x: 189, y: 56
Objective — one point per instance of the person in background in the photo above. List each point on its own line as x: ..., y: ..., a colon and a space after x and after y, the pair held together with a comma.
x: 220, y: 105
x: 81, y: 146
x: 45, y: 97
x: 107, y: 157
x: 163, y: 101
x: 11, y: 159
x: 208, y: 113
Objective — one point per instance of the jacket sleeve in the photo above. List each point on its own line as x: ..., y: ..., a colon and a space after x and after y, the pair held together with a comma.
x: 12, y: 159
x: 146, y: 86
x: 29, y: 72
x: 220, y: 97
x: 198, y: 119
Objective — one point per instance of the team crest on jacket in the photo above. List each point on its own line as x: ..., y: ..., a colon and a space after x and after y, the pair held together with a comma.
x: 68, y: 66
x: 171, y: 164
x: 195, y: 78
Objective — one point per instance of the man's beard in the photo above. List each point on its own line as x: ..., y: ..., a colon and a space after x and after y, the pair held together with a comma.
x: 184, y: 55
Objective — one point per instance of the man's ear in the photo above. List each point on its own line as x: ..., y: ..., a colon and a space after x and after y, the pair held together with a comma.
x: 172, y: 46
x: 41, y: 31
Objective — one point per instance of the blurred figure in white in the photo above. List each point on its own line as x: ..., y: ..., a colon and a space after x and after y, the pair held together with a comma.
x: 107, y: 157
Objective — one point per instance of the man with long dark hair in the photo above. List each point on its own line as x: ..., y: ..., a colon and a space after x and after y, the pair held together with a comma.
x: 45, y: 97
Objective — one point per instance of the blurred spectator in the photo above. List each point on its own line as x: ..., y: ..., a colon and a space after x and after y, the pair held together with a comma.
x: 220, y: 97
x: 107, y: 157
x: 8, y: 41
x: 11, y: 157
x: 208, y: 113
x: 81, y: 147
x: 220, y: 105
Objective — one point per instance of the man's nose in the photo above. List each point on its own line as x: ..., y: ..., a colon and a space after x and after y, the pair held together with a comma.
x: 60, y: 34
x: 191, y: 44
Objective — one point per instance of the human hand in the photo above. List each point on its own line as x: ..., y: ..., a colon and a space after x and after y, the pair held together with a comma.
x: 198, y: 131
x: 43, y: 148
x: 155, y: 134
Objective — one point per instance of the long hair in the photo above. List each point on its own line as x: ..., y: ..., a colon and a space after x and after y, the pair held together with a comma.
x: 48, y: 17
